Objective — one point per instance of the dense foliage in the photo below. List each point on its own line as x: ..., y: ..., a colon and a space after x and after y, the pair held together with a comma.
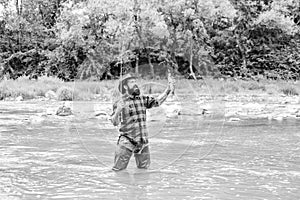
x: 92, y: 39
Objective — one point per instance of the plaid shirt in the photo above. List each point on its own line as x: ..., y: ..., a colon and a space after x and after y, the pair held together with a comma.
x: 133, y: 117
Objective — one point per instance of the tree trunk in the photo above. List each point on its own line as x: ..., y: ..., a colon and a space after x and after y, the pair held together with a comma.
x: 17, y: 7
x: 137, y: 66
x: 243, y: 53
x: 19, y: 4
x: 21, y: 7
x: 191, y: 61
x: 19, y: 12
x: 151, y: 67
x: 173, y: 63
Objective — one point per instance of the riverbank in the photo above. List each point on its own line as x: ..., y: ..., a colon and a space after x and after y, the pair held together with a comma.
x: 46, y: 88
x: 233, y: 99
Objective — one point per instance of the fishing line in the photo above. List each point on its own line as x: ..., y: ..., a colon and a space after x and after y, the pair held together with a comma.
x: 216, y: 142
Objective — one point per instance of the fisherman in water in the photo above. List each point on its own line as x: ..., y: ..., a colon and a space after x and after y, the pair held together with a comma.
x: 130, y: 114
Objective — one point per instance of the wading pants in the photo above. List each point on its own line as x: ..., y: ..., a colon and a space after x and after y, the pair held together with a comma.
x: 123, y: 155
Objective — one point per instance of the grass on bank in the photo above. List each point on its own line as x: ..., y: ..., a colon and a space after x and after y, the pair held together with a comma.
x: 88, y: 90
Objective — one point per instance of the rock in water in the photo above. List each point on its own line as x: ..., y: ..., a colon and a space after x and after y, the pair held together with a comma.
x: 64, y: 111
x: 51, y: 95
x: 205, y: 111
x: 234, y: 119
x: 19, y: 98
x: 172, y: 110
x: 298, y: 113
x: 279, y: 117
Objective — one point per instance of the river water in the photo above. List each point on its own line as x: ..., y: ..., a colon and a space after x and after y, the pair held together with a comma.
x: 193, y: 157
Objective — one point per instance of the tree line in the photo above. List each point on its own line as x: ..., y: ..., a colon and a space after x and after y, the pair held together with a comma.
x: 76, y: 39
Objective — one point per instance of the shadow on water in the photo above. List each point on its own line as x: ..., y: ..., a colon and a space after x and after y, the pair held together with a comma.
x: 192, y: 158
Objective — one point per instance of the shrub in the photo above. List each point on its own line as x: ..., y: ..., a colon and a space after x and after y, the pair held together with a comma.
x: 65, y: 93
x: 290, y: 91
x: 272, y: 89
x: 50, y: 80
x: 3, y: 91
x: 229, y: 87
x: 27, y: 94
x: 254, y: 86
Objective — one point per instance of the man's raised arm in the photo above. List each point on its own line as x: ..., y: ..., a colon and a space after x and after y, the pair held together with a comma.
x: 170, y: 89
x: 154, y: 102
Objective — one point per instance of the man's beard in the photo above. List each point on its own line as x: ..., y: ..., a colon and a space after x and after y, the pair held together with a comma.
x: 135, y: 91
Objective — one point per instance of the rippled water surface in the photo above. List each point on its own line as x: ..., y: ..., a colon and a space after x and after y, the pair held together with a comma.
x: 48, y: 157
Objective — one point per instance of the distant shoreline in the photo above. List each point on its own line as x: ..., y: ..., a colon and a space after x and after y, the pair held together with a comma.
x: 50, y: 88
x: 234, y: 99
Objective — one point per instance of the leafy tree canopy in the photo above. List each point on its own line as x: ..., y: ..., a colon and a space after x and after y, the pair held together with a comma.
x: 74, y: 39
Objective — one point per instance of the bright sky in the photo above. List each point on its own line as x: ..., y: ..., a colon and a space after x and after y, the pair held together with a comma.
x: 1, y: 11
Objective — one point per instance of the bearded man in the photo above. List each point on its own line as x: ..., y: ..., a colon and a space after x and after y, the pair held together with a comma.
x: 130, y: 113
